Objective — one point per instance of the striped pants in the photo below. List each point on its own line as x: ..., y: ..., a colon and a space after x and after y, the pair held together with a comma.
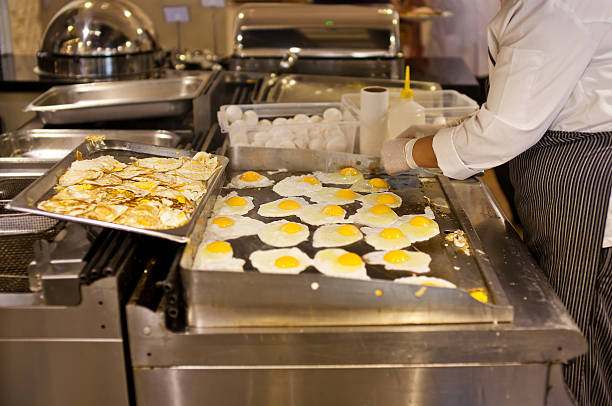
x: 562, y: 191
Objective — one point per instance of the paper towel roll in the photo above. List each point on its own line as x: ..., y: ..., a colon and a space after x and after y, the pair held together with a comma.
x: 374, y: 120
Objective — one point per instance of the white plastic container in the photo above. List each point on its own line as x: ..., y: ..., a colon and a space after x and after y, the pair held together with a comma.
x: 405, y: 113
x: 317, y: 126
x: 441, y: 107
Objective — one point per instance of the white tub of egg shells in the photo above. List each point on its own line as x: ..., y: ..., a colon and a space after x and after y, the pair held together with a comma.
x: 314, y: 126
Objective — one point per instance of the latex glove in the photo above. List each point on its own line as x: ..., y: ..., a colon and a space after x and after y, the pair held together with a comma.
x: 418, y: 131
x: 393, y: 157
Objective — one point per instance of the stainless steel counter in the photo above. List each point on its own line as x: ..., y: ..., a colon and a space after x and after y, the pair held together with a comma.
x: 475, y: 364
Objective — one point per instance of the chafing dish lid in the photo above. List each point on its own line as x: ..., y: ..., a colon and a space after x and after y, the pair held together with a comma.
x: 99, y: 28
x: 272, y: 29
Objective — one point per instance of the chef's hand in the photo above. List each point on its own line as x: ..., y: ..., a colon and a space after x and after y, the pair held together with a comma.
x: 393, y: 153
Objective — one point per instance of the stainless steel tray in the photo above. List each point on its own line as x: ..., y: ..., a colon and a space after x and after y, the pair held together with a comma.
x: 121, y: 100
x: 53, y: 145
x: 294, y: 88
x: 224, y: 299
x: 43, y: 187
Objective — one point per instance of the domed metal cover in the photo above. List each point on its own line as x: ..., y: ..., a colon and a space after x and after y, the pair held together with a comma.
x: 98, y: 38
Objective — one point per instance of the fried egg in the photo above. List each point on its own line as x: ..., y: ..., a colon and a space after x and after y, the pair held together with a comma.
x: 400, y: 260
x: 72, y: 177
x: 230, y: 227
x: 387, y: 198
x: 336, y: 235
x: 159, y: 164
x: 249, y: 179
x: 297, y: 185
x: 283, y: 233
x: 344, y: 176
x: 172, y: 217
x: 106, y: 212
x: 86, y: 193
x: 426, y: 281
x: 373, y: 185
x: 282, y: 207
x: 233, y: 204
x: 419, y: 228
x: 68, y: 207
x: 104, y: 163
x: 375, y: 216
x: 340, y: 263
x: 334, y: 195
x: 390, y: 238
x: 281, y: 260
x: 217, y: 256
x: 319, y: 214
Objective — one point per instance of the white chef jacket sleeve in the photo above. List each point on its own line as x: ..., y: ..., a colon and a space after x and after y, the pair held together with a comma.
x: 542, y: 55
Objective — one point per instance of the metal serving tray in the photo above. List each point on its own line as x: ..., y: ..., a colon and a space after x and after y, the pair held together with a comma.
x: 250, y: 298
x: 294, y: 88
x: 122, y: 100
x: 53, y: 145
x: 43, y: 187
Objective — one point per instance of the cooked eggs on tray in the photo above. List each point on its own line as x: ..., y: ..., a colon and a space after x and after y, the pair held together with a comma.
x: 296, y: 223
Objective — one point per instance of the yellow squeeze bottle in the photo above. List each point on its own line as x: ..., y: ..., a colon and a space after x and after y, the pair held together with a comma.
x: 404, y: 111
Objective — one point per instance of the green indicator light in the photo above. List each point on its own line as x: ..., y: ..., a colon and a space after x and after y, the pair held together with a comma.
x: 329, y: 22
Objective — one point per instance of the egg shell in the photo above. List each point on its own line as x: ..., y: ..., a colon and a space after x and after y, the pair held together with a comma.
x: 265, y: 122
x: 301, y: 118
x: 286, y: 144
x: 233, y: 113
x: 316, y: 144
x: 425, y: 280
x: 264, y: 260
x: 279, y: 121
x: 315, y: 119
x: 260, y: 138
x: 332, y: 114
x: 250, y: 117
x: 337, y: 144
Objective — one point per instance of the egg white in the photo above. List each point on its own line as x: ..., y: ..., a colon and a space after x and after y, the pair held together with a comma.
x: 337, y: 178
x: 418, y: 233
x: 426, y: 281
x: 206, y: 260
x: 371, y: 199
x: 364, y: 186
x: 366, y: 217
x: 313, y: 215
x: 238, y: 183
x: 373, y: 238
x: 291, y: 186
x: 272, y: 234
x: 222, y: 208
x: 271, y: 209
x: 264, y: 260
x: 328, y: 195
x: 328, y: 236
x: 242, y: 226
x: 417, y: 262
x: 326, y: 262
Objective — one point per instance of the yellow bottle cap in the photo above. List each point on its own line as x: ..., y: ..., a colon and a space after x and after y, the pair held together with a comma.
x: 407, y: 92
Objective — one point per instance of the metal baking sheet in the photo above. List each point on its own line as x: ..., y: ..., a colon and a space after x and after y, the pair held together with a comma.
x: 294, y: 88
x: 122, y: 100
x: 310, y: 298
x: 53, y: 145
x: 43, y: 187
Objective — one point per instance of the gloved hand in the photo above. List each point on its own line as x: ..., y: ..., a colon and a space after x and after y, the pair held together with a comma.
x: 393, y: 154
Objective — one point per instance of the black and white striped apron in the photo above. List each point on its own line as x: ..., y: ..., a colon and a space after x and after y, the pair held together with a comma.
x: 562, y: 192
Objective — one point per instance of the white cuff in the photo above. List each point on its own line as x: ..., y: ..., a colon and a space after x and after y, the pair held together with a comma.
x: 448, y: 160
x: 408, y: 151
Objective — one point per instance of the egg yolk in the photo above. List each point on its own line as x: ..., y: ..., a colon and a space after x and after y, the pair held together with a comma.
x: 396, y: 257
x: 349, y: 171
x: 289, y: 205
x: 219, y: 247
x: 333, y: 210
x: 380, y: 209
x: 286, y: 262
x: 223, y: 222
x: 84, y: 187
x: 385, y: 199
x: 250, y: 176
x: 378, y: 183
x: 347, y: 230
x: 145, y: 185
x: 291, y: 228
x: 391, y: 233
x: 310, y: 179
x: 346, y: 194
x: 236, y: 201
x: 419, y: 221
x: 349, y: 259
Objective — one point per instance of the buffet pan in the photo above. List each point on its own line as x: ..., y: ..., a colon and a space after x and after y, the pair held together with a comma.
x: 250, y: 298
x: 296, y: 88
x: 53, y: 145
x: 43, y: 187
x: 122, y: 100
